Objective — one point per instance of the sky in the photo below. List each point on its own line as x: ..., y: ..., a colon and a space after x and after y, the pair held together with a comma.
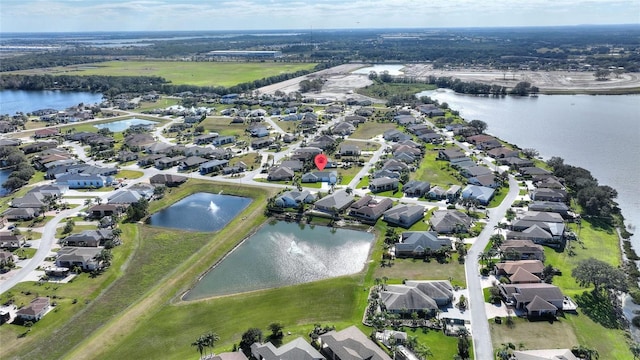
x: 160, y: 15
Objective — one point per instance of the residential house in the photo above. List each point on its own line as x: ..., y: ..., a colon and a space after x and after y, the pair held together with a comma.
x: 395, y: 135
x: 224, y: 140
x: 261, y: 143
x: 330, y: 177
x: 88, y: 238
x: 213, y: 165
x: 475, y: 171
x: 84, y: 181
x: 395, y: 165
x: 20, y: 213
x: 343, y: 129
x: 125, y: 156
x: 306, y: 153
x: 515, y: 162
x: 368, y: 209
x: 295, y: 165
x: 349, y: 150
x: 385, y: 173
x: 6, y: 258
x: 538, y: 299
x: 168, y: 180
x: 35, y: 310
x: 33, y: 200
x: 503, y: 152
x: 545, y: 354
x: 417, y: 244
x: 294, y: 198
x: 551, y: 206
x: 259, y: 131
x: 487, y: 180
x: 404, y: 215
x: 416, y: 188
x: 158, y: 148
x: 450, y: 154
x: 480, y: 193
x: 136, y: 142
x: 430, y: 110
x: 323, y: 142
x: 436, y: 193
x: 205, y: 138
x: 335, y: 203
x: 46, y: 133
x: 450, y: 221
x: 349, y: 344
x: 236, y: 355
x: 83, y: 257
x: 546, y: 194
x: 522, y: 250
x: 124, y: 197
x: 529, y: 172
x: 297, y: 349
x: 383, y: 184
x: 404, y: 120
x: 280, y: 173
x: 8, y: 240
x: 421, y: 296
x: 192, y: 162
x: 101, y: 210
x: 509, y: 268
x: 522, y: 276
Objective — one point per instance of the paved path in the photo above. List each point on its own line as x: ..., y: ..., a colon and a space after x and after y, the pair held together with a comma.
x: 46, y: 243
x: 482, y: 346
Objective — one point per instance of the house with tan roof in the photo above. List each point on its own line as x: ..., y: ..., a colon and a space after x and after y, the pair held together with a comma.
x: 350, y: 344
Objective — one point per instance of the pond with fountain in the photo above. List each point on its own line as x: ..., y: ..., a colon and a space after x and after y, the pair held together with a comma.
x: 282, y: 253
x: 200, y: 212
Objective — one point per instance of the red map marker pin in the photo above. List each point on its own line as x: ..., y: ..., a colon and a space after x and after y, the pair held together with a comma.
x: 321, y: 161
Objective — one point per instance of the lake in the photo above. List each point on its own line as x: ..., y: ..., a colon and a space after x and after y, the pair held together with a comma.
x: 598, y: 133
x: 4, y: 175
x: 200, y: 212
x: 12, y: 101
x: 282, y: 253
x: 392, y: 69
x: 122, y: 125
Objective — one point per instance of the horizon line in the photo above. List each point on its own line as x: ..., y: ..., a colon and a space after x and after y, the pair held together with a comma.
x: 329, y: 29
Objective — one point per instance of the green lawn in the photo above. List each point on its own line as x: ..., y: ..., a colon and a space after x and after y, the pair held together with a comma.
x: 130, y: 174
x: 183, y: 72
x: 370, y: 129
x: 499, y: 195
x: 417, y: 269
x: 435, y: 171
x: 386, y: 90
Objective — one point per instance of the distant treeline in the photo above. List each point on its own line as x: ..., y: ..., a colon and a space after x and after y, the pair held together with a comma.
x: 463, y: 87
x: 544, y: 48
x: 114, y: 85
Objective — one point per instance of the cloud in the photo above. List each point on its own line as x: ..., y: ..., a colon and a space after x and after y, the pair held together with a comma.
x: 89, y: 15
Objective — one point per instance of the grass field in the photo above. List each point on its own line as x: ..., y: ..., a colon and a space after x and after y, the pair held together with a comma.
x: 182, y: 72
x: 370, y: 129
x: 434, y: 171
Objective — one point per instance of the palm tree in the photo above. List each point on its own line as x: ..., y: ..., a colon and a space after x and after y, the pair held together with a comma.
x: 199, y: 344
x: 423, y: 351
x: 210, y: 340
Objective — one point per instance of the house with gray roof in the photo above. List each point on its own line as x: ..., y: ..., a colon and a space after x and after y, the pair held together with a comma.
x: 368, y: 209
x: 124, y: 197
x: 522, y: 250
x: 295, y: 165
x: 294, y: 198
x: 421, y: 296
x: 350, y: 344
x: 544, y: 354
x: 335, y: 203
x: 213, y: 165
x: 417, y: 244
x: 395, y: 165
x: 385, y: 173
x: 383, y: 184
x: 83, y: 257
x: 535, y: 299
x: 349, y: 150
x: 280, y: 173
x: 88, y: 238
x: 20, y: 213
x: 343, y: 128
x: 550, y: 206
x: 330, y: 177
x: 169, y: 180
x: 547, y: 194
x: 404, y: 215
x: 235, y: 355
x: 450, y: 221
x: 416, y: 188
x: 480, y: 193
x: 297, y: 349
